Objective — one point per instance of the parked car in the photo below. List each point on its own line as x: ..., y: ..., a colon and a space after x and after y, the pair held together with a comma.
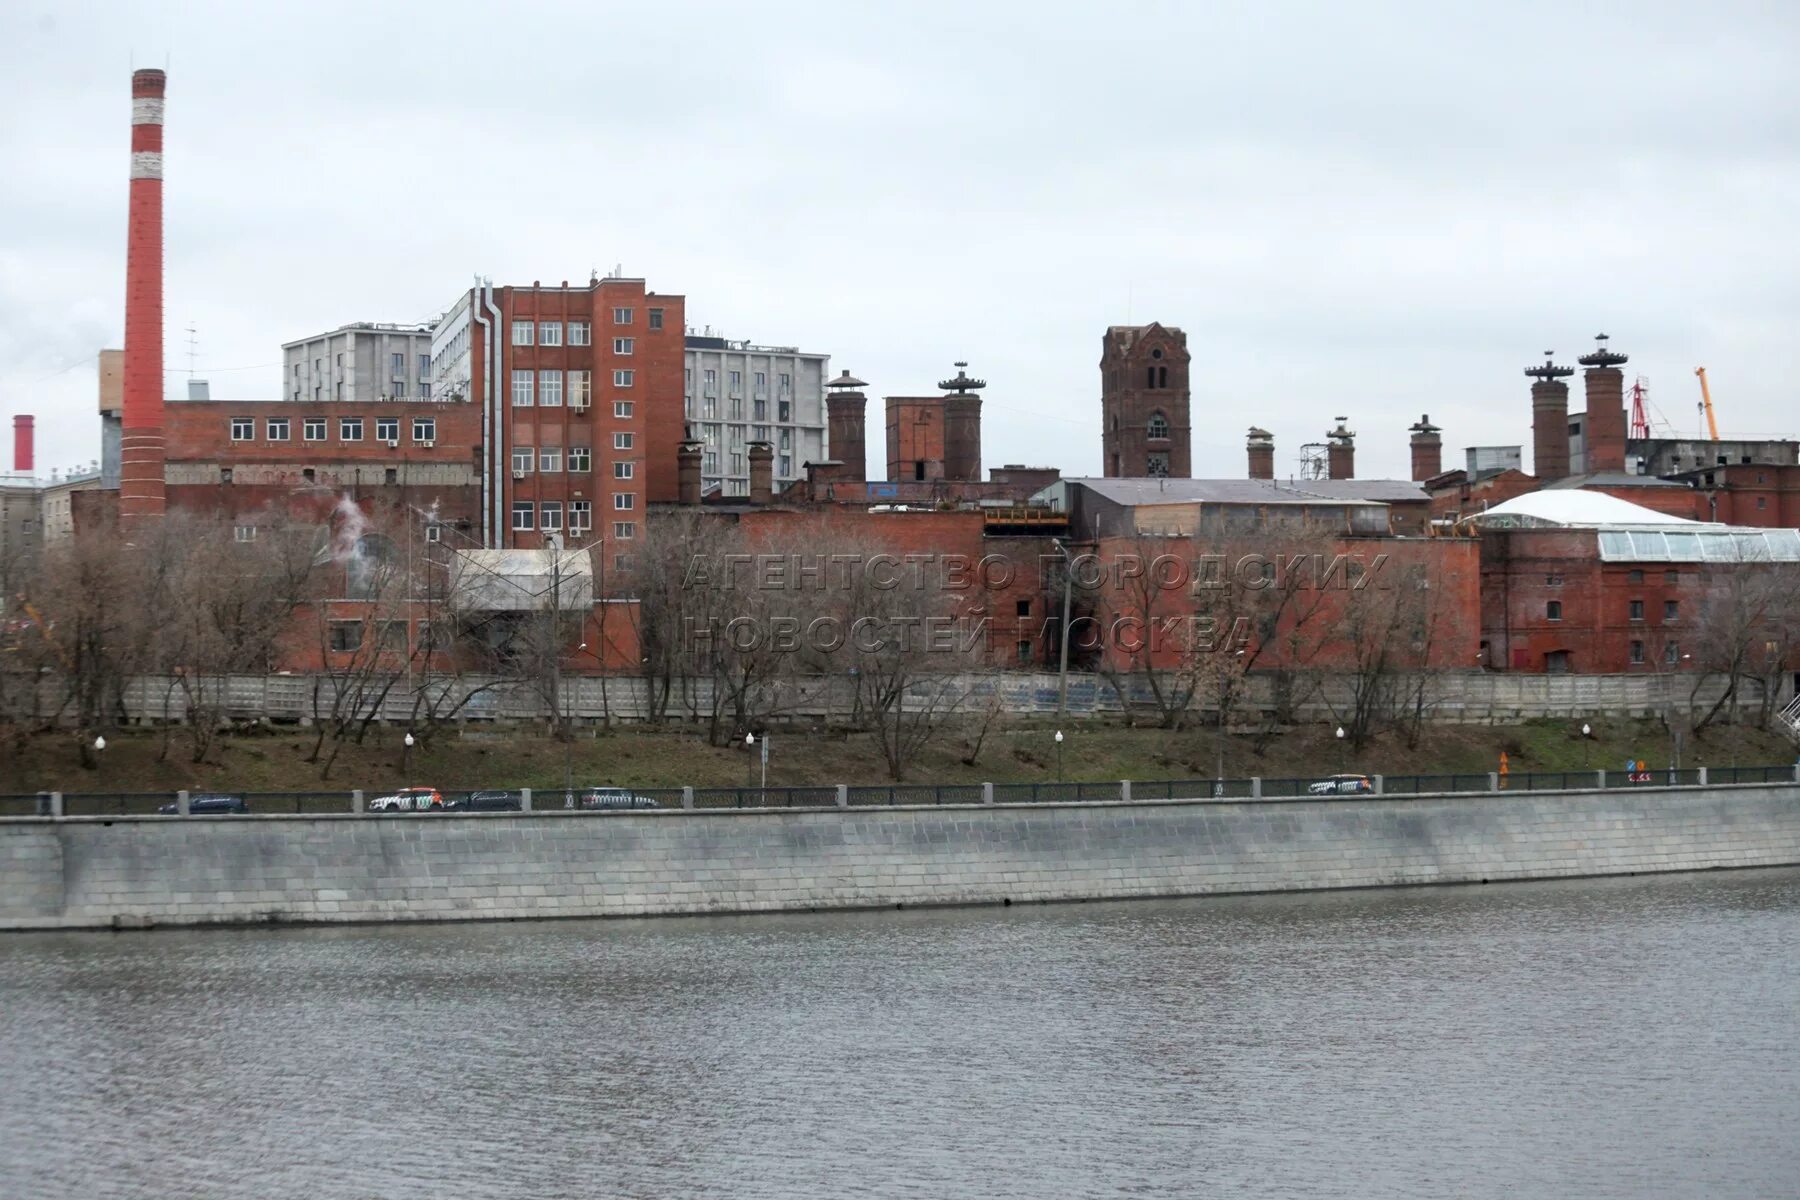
x: 208, y: 802
x: 486, y: 802
x: 412, y: 799
x: 1341, y: 785
x: 596, y: 798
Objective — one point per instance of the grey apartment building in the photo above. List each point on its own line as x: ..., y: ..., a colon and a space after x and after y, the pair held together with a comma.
x: 361, y: 362
x: 738, y: 393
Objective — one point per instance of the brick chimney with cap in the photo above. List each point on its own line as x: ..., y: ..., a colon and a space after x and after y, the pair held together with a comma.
x: 1605, y: 434
x: 687, y: 470
x: 962, y: 426
x: 1427, y: 450
x: 1549, y: 419
x: 141, y: 482
x: 1261, y: 448
x: 845, y: 406
x: 762, y: 472
x: 1340, y: 451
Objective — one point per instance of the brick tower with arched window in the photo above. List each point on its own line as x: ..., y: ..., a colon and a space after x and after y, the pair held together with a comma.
x: 1144, y: 402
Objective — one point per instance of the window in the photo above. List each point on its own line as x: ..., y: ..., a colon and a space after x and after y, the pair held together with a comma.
x: 1024, y: 651
x: 399, y: 389
x: 1553, y: 610
x: 622, y: 378
x: 1022, y: 608
x: 346, y: 636
x: 522, y: 513
x: 521, y: 462
x: 434, y: 532
x: 622, y: 345
x: 581, y: 516
x: 1556, y: 662
x: 579, y: 463
x: 1635, y: 577
x: 621, y: 316
x: 622, y: 470
x: 424, y: 366
x: 1671, y: 610
x: 350, y: 429
x: 580, y: 333
x: 656, y: 318
x: 391, y: 475
x: 387, y: 429
x: 224, y: 474
x: 737, y: 408
x: 622, y: 441
x: 399, y: 365
x: 1637, y: 610
x: 735, y: 380
x: 1553, y: 581
x: 550, y: 389
x: 787, y: 383
x: 581, y: 388
x: 761, y: 411
x: 784, y: 411
x: 787, y: 465
x: 278, y: 429
x: 1637, y: 653
x: 737, y: 462
x: 624, y: 501
x: 424, y: 391
x: 762, y: 380
x: 622, y: 409
x: 424, y: 429
x: 522, y: 331
x: 1159, y: 426
x: 524, y: 385
x: 1762, y: 502
x: 243, y: 428
x: 1671, y: 653
x: 308, y: 474
x: 550, y: 516
x: 549, y: 333
x: 549, y: 461
x: 244, y: 533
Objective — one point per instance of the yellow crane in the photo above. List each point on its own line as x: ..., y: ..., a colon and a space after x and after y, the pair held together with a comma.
x: 1706, y: 402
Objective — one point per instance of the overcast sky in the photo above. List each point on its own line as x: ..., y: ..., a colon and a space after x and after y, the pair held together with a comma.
x: 1374, y: 209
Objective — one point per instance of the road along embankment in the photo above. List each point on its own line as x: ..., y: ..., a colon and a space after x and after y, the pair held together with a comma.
x: 135, y: 872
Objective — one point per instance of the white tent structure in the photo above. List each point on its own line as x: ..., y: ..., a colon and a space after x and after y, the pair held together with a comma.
x: 1574, y: 508
x: 521, y: 580
x: 1627, y: 532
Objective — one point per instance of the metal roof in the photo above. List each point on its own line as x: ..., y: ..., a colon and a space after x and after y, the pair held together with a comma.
x: 1253, y: 491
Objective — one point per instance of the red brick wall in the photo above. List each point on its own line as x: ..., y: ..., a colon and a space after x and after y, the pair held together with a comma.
x: 915, y: 434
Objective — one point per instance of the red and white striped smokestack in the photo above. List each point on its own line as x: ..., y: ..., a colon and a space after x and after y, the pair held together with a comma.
x: 141, y: 446
x: 22, y: 444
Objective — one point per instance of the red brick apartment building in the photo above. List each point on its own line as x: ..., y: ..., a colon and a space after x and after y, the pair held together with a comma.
x: 578, y: 395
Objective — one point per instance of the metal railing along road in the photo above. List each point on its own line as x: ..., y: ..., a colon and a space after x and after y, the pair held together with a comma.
x: 550, y: 800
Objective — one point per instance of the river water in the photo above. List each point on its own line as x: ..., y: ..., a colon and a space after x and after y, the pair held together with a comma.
x: 1618, y: 1038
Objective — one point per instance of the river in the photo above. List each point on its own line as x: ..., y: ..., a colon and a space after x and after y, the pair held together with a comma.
x: 1617, y: 1038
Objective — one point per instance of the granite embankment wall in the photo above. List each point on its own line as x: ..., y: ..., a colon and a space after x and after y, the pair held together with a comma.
x: 133, y: 872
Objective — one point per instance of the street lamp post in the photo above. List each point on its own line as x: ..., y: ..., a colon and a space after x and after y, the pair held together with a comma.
x: 99, y: 746
x: 1340, y: 742
x: 1587, y: 755
x: 1059, y: 742
x: 749, y: 763
x: 406, y: 757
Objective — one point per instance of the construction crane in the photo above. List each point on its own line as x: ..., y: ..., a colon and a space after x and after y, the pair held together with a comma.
x: 1640, y: 416
x: 1712, y: 423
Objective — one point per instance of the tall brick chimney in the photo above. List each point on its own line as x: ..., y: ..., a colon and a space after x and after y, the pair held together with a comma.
x: 762, y: 472
x: 1549, y: 419
x: 845, y: 405
x: 1261, y: 448
x: 1340, y: 451
x: 23, y: 434
x: 1605, y: 433
x: 141, y: 492
x: 1427, y: 450
x: 687, y: 471
x: 962, y: 426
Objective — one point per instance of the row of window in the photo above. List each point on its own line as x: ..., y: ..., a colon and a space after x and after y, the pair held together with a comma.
x: 580, y: 333
x: 709, y: 406
x: 735, y: 379
x: 550, y: 462
x: 548, y: 516
x: 545, y: 389
x: 1671, y: 610
x: 350, y: 429
x: 396, y: 367
x: 1671, y: 653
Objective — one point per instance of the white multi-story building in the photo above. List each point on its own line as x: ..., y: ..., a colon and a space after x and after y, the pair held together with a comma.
x: 361, y: 362
x: 738, y: 393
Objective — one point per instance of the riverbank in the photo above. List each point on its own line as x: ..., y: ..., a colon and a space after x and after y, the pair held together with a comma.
x: 138, y: 872
x: 279, y: 760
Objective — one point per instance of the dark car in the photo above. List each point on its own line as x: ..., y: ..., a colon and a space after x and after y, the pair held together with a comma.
x: 206, y: 802
x: 598, y: 798
x: 486, y: 802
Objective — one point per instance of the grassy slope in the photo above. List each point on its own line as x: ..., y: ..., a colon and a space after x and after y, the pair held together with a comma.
x: 275, y: 761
